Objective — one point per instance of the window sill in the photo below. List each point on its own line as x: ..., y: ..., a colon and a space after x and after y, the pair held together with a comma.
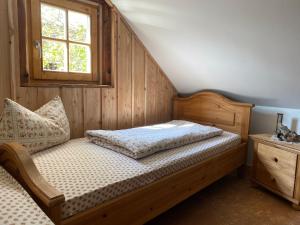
x: 74, y: 84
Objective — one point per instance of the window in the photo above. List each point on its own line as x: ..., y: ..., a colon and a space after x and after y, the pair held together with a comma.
x: 64, y: 40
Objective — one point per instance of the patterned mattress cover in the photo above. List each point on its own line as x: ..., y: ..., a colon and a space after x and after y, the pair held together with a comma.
x: 16, y: 206
x: 89, y: 175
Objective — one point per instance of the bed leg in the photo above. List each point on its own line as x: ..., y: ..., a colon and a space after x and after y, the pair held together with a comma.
x: 55, y: 214
x: 241, y: 171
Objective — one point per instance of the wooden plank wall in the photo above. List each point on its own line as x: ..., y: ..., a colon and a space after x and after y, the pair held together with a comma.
x: 5, y: 90
x: 142, y: 93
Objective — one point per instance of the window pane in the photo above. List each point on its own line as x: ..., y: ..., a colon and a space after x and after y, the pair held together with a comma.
x: 79, y: 27
x: 80, y: 58
x: 53, y: 22
x: 54, y: 55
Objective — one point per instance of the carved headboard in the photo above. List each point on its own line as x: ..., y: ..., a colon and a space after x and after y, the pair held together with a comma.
x: 213, y: 109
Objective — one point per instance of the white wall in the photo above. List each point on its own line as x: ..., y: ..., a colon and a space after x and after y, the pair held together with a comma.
x: 248, y: 48
x: 264, y: 121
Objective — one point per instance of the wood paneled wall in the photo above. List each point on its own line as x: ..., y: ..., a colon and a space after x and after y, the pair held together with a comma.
x: 5, y: 90
x: 142, y: 93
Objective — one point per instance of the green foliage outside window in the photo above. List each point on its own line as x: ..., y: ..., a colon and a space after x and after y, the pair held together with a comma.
x: 54, y: 56
x: 79, y: 55
x: 54, y: 52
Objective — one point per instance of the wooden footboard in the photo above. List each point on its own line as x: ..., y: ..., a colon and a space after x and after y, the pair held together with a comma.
x: 17, y: 161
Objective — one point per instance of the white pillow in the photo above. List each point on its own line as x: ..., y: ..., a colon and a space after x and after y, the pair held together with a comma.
x: 46, y: 127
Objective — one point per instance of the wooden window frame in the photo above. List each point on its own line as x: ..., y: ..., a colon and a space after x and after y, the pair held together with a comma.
x: 38, y: 72
x: 105, y: 74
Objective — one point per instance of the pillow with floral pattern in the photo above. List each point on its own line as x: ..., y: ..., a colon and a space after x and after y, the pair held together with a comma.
x: 46, y: 127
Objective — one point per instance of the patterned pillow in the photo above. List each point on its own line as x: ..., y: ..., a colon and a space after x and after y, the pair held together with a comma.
x: 46, y: 127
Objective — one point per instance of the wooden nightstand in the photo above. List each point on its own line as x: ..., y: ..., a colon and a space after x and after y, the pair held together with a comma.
x: 276, y: 166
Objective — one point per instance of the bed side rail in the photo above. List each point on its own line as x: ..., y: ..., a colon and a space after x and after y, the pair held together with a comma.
x: 18, y: 162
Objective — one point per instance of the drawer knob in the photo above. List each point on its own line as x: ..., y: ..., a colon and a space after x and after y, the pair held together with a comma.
x: 275, y: 159
x: 273, y: 179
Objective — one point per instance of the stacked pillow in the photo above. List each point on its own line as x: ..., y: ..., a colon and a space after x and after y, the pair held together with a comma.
x: 46, y: 127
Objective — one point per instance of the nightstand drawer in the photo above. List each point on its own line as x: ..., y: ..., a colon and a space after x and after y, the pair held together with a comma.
x: 276, y: 168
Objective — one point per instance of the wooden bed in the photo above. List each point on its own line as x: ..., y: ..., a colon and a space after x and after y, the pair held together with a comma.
x: 143, y: 204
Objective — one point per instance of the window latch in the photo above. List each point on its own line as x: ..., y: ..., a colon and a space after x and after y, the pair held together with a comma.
x: 37, y: 45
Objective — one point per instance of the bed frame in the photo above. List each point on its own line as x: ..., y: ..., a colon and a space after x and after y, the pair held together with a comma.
x: 142, y: 205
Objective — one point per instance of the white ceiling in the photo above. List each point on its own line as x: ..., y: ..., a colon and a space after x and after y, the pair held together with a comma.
x: 247, y: 49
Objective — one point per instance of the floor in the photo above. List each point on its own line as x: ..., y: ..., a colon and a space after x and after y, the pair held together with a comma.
x: 231, y: 201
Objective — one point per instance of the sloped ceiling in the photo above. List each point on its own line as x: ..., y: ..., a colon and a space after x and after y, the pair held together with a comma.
x: 247, y: 49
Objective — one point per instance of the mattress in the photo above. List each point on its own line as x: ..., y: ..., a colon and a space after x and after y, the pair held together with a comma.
x: 16, y: 206
x: 89, y: 175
